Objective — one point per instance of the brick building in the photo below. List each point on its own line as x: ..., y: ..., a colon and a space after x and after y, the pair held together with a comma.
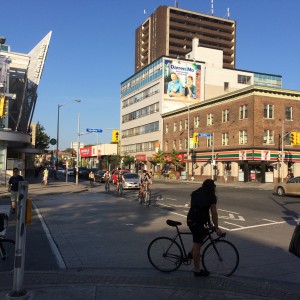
x: 248, y: 133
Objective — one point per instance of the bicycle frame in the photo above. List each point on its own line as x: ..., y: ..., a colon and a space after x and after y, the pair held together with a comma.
x: 208, y: 237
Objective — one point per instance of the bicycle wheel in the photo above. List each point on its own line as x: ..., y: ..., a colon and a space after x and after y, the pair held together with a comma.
x: 220, y: 257
x: 140, y: 198
x: 120, y: 189
x: 165, y: 254
x: 147, y: 198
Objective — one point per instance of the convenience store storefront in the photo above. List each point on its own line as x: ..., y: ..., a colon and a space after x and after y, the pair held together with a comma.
x: 244, y: 165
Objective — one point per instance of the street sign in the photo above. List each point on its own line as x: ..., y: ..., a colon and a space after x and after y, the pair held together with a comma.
x: 93, y: 130
x: 53, y: 141
x: 204, y: 134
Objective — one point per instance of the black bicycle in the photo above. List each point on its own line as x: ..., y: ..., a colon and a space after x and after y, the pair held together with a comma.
x: 6, y: 245
x: 218, y: 257
x: 145, y: 196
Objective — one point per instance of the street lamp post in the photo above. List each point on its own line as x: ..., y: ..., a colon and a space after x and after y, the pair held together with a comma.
x: 188, y: 136
x: 57, y: 134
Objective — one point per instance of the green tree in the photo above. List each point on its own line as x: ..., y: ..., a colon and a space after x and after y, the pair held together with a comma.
x: 175, y: 160
x: 159, y: 157
x: 42, y: 139
x: 128, y: 161
x: 114, y: 161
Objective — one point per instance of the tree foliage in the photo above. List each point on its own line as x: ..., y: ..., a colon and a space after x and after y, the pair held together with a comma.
x: 128, y: 161
x: 42, y: 139
x: 159, y: 157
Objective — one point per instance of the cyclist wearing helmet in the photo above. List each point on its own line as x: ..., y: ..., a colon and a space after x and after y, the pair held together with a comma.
x: 145, y: 180
x: 120, y: 178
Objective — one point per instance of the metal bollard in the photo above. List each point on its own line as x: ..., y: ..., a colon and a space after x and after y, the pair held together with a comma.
x: 18, y: 291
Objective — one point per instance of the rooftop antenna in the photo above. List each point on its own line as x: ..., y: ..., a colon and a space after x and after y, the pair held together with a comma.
x: 228, y: 13
x: 176, y: 4
x: 212, y: 7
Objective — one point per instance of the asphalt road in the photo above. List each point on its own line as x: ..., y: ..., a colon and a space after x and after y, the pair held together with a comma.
x: 95, y: 229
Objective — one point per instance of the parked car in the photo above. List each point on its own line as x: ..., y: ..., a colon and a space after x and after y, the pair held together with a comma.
x: 290, y: 187
x: 99, y: 176
x: 61, y: 170
x: 71, y: 172
x: 131, y: 181
x: 83, y: 172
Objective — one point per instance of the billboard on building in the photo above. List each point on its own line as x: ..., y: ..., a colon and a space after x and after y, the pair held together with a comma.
x: 181, y: 83
x: 86, y: 152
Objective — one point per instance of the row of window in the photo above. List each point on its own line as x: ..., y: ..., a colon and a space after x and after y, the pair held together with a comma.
x: 182, y: 144
x: 140, y: 96
x: 141, y: 112
x: 149, y: 146
x: 151, y: 127
x: 243, y: 114
x: 137, y: 81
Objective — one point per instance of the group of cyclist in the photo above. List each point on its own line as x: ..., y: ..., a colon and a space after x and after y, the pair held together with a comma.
x: 144, y: 182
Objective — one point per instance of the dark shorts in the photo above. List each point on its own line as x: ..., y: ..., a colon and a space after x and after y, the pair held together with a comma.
x: 198, y: 232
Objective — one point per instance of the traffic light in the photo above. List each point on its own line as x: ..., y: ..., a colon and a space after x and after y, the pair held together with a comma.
x: 2, y: 103
x: 115, y: 136
x: 5, y: 109
x: 297, y: 138
x: 195, y: 138
x: 293, y: 138
x: 74, y: 153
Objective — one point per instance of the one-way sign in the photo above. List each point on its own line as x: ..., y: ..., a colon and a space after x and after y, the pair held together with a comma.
x: 204, y: 134
x: 93, y: 130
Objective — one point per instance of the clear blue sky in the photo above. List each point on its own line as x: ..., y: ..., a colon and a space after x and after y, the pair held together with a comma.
x: 92, y: 51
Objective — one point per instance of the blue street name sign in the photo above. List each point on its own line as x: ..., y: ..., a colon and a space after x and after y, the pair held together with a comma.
x: 93, y: 130
x: 204, y: 134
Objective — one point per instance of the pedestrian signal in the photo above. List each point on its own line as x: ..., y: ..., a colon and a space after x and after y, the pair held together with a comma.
x: 195, y: 138
x: 293, y: 138
x: 2, y: 103
x: 115, y: 136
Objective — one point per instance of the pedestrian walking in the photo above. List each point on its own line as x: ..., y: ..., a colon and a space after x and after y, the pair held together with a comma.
x: 13, y: 188
x: 45, y: 176
x: 203, y: 200
x: 91, y: 178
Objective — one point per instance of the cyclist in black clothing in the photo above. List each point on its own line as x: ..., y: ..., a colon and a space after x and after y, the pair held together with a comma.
x: 203, y: 200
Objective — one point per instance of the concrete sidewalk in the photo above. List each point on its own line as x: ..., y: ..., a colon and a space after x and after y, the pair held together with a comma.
x: 144, y: 282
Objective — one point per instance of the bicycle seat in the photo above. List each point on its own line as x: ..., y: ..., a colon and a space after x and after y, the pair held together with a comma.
x: 173, y: 223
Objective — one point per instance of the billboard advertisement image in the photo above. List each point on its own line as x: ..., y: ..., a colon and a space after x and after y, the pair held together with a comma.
x: 181, y: 80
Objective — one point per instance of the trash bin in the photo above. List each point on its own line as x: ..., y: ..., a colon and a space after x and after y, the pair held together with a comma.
x: 295, y: 241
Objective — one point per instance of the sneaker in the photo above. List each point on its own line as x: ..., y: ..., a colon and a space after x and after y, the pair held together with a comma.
x: 201, y: 273
x: 190, y: 255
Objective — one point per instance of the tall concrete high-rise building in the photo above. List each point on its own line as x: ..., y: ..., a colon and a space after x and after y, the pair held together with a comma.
x: 169, y: 31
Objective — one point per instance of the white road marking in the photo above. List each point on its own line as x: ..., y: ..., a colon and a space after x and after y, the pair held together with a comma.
x: 232, y: 217
x: 269, y: 220
x: 234, y: 224
x: 232, y: 212
x: 260, y: 225
x: 59, y: 259
x: 171, y: 199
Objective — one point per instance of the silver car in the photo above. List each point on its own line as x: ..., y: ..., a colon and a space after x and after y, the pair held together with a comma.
x: 131, y: 181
